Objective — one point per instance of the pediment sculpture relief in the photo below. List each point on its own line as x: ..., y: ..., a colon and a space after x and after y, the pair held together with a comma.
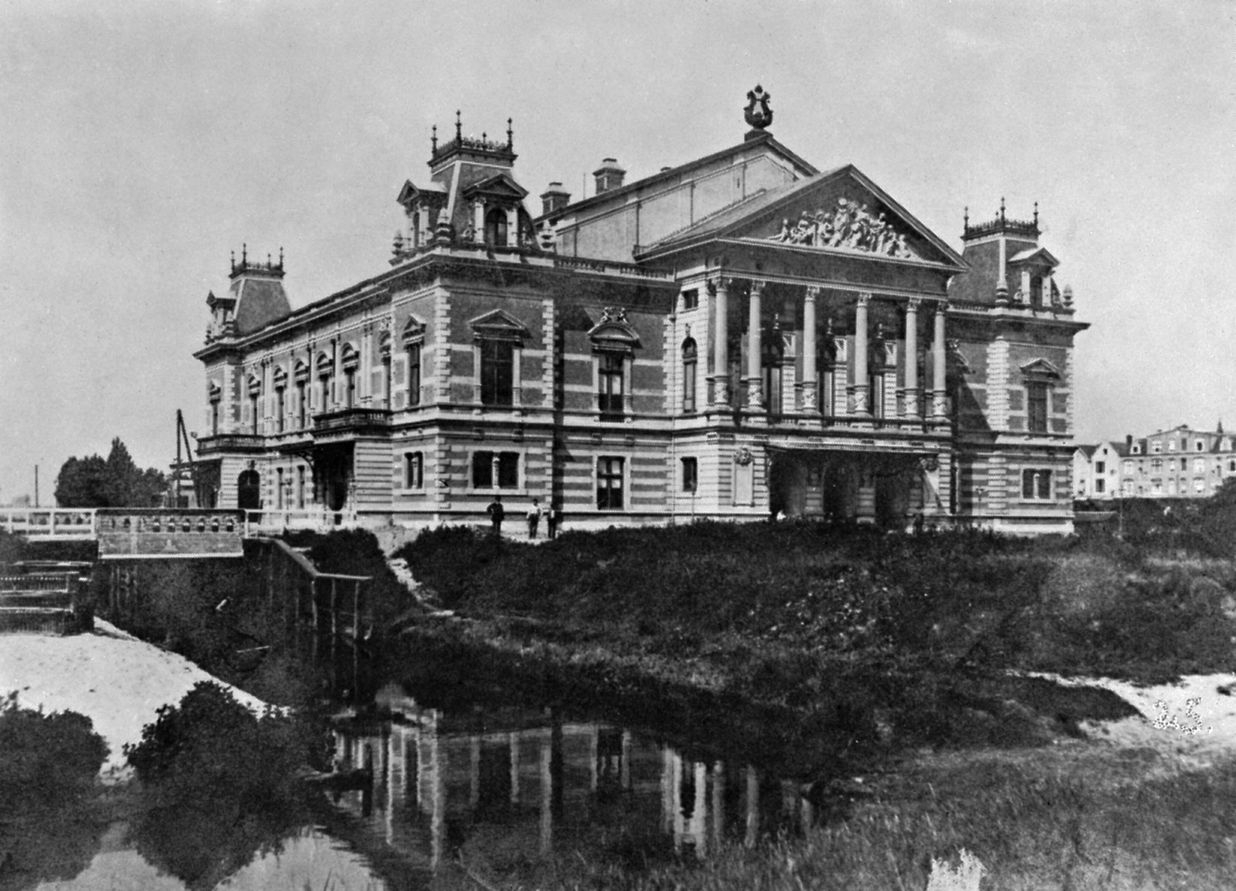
x: 849, y: 225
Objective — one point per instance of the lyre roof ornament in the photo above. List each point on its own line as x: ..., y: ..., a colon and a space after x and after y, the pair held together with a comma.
x: 758, y: 114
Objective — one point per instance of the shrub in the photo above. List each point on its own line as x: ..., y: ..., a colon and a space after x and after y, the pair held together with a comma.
x: 211, y: 749
x: 48, y: 759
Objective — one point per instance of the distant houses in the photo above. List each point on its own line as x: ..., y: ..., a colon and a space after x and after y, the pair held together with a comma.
x: 1182, y: 462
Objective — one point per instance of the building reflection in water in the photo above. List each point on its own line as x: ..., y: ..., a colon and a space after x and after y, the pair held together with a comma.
x: 523, y: 780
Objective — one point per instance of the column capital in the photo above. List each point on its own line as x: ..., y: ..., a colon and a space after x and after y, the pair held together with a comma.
x: 914, y: 303
x: 758, y: 285
x: 943, y: 307
x: 717, y: 283
x: 813, y: 292
x: 864, y: 298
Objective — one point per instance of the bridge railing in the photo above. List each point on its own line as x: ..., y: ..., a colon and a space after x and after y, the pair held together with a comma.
x: 285, y: 520
x: 177, y: 522
x: 50, y: 522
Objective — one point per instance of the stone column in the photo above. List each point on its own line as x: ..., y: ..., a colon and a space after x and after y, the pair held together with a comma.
x: 755, y: 400
x: 911, y: 358
x: 938, y: 369
x: 862, y: 381
x: 809, y: 382
x: 717, y: 391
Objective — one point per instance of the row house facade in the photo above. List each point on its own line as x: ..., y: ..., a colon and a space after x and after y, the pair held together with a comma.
x: 738, y: 337
x: 1182, y: 462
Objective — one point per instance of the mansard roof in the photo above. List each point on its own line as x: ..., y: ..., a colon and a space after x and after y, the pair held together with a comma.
x: 784, y: 215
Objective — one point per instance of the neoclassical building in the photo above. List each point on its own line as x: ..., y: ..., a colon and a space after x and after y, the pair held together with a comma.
x: 738, y: 337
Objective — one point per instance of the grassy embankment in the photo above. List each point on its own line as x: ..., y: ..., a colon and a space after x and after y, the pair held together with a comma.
x: 881, y: 645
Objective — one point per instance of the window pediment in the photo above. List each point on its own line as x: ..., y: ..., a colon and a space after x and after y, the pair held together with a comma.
x: 413, y: 332
x: 499, y: 187
x: 614, y: 333
x: 499, y: 325
x: 1040, y: 370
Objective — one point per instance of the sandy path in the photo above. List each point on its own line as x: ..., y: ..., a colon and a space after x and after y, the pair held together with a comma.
x: 118, y: 681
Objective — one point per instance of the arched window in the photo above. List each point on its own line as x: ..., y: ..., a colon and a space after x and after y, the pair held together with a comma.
x: 281, y: 403
x: 495, y: 227
x: 301, y: 375
x: 255, y: 395
x: 350, y: 360
x: 325, y: 371
x: 689, y: 366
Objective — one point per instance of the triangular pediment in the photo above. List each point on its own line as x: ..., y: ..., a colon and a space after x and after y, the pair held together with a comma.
x: 841, y: 212
x: 410, y: 194
x: 1036, y: 257
x: 1040, y: 369
x: 499, y: 325
x: 498, y: 186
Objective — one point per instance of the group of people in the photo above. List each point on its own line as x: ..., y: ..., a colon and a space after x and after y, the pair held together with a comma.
x: 497, y: 513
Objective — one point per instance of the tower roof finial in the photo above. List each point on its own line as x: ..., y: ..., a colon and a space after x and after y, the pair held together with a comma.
x: 1001, y: 208
x: 510, y: 134
x: 458, y: 126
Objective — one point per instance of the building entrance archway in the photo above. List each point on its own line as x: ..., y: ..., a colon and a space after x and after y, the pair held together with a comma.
x: 249, y: 489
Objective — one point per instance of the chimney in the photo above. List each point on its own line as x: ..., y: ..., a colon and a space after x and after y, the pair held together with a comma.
x: 609, y: 175
x: 1128, y: 442
x: 553, y: 198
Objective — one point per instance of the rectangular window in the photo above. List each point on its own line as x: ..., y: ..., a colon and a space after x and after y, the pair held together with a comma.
x: 1156, y: 465
x: 281, y: 406
x: 609, y: 483
x: 690, y: 298
x: 386, y: 381
x: 414, y: 376
x: 1156, y: 487
x: 1199, y: 465
x: 214, y: 418
x: 300, y: 486
x: 1171, y: 445
x: 498, y: 470
x: 827, y: 379
x: 1098, y: 486
x: 1156, y: 447
x: 690, y: 474
x: 1036, y: 405
x: 1199, y: 446
x: 1198, y: 486
x: 1036, y: 484
x: 302, y: 404
x: 253, y: 413
x: 610, y: 384
x: 497, y: 372
x: 413, y: 470
x: 324, y: 393
x: 279, y: 503
x: 1100, y: 467
x: 349, y: 387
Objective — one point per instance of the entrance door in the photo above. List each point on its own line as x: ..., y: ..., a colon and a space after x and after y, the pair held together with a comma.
x: 787, y: 486
x: 249, y: 490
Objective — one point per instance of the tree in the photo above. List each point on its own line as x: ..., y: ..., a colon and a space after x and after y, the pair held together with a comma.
x: 114, y: 482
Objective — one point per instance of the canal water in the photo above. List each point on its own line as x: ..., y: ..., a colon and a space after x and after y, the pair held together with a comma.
x: 487, y: 788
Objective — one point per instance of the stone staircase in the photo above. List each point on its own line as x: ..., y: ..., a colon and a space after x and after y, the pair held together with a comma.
x: 39, y: 599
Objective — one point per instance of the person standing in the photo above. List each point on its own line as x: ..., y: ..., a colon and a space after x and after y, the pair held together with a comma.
x: 551, y: 521
x: 496, y: 513
x: 534, y: 518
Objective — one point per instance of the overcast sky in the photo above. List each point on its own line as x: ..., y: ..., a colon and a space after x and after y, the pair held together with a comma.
x: 141, y: 141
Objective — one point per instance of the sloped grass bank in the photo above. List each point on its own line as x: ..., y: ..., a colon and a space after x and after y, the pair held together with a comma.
x: 884, y: 641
